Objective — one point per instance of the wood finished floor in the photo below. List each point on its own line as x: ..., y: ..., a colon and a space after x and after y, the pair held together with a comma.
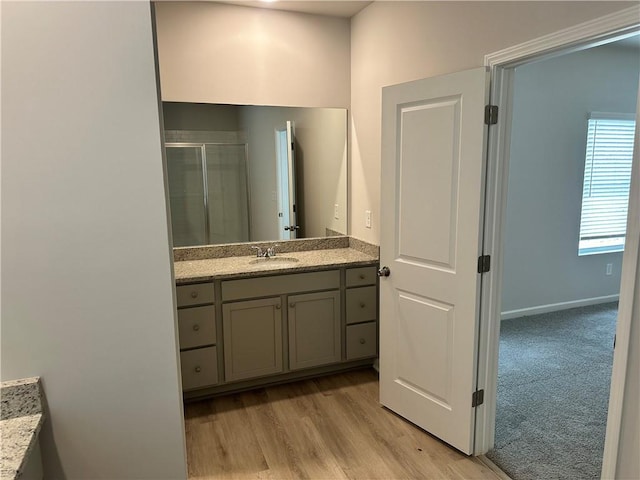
x: 325, y: 428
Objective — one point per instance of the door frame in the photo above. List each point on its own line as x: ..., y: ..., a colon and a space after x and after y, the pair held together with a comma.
x: 502, y: 64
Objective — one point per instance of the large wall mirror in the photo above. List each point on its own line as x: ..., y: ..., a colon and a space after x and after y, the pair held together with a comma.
x: 243, y: 173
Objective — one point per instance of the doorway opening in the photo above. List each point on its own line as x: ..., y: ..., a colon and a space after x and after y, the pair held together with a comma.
x: 559, y: 298
x: 559, y: 304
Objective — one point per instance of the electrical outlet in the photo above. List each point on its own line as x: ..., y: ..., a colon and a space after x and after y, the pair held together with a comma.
x: 609, y: 269
x: 335, y: 211
x: 367, y: 218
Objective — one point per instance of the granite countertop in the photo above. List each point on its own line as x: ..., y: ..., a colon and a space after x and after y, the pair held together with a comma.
x: 249, y: 266
x: 20, y: 423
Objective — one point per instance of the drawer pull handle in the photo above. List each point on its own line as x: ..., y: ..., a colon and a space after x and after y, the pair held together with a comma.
x: 198, y: 369
x: 292, y: 304
x: 362, y: 341
x: 362, y: 305
x: 278, y: 307
x: 196, y: 327
x: 194, y: 294
x: 362, y: 276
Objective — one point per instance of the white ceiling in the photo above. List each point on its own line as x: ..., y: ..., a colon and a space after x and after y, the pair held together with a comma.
x: 346, y: 9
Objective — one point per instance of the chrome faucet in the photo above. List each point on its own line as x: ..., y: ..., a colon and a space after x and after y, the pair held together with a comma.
x: 268, y: 253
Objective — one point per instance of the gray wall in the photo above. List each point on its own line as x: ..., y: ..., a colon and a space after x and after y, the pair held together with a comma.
x: 87, y: 287
x: 200, y: 116
x: 321, y: 139
x: 551, y: 102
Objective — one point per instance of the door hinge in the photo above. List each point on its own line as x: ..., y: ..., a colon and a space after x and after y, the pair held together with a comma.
x: 491, y: 114
x: 484, y: 263
x: 477, y: 398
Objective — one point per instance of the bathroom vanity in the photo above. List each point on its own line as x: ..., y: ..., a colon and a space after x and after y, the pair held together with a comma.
x: 247, y: 321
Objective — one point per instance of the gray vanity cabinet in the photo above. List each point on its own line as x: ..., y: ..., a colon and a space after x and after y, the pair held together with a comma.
x: 314, y: 329
x: 265, y: 329
x: 252, y: 338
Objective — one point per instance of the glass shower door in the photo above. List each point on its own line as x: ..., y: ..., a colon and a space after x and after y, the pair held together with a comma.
x: 186, y: 195
x: 228, y: 193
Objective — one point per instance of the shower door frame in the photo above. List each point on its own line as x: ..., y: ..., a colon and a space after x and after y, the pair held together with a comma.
x: 205, y: 179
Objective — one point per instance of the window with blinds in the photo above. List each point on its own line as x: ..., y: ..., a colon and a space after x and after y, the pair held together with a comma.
x: 607, y: 177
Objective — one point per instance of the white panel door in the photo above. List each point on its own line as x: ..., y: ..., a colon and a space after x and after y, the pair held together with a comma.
x: 433, y: 151
x: 286, y: 167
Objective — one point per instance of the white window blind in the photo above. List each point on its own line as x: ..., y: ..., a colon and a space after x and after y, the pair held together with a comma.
x: 607, y: 176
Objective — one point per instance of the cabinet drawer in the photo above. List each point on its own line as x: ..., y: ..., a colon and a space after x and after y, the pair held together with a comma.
x: 199, y: 368
x: 281, y: 284
x: 361, y: 340
x: 356, y: 277
x: 362, y: 304
x: 195, y: 294
x: 197, y: 326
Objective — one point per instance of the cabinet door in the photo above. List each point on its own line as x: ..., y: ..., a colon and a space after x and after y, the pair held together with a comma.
x: 252, y: 338
x: 314, y: 329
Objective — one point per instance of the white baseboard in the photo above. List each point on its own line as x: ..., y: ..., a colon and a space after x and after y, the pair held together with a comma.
x: 554, y: 307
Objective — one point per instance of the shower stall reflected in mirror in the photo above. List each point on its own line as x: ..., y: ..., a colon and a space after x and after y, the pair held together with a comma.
x: 208, y: 193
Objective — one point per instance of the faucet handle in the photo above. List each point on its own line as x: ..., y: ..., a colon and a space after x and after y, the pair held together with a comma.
x: 258, y: 250
x: 271, y: 251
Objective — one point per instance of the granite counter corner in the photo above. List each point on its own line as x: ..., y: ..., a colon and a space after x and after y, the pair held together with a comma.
x: 21, y: 419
